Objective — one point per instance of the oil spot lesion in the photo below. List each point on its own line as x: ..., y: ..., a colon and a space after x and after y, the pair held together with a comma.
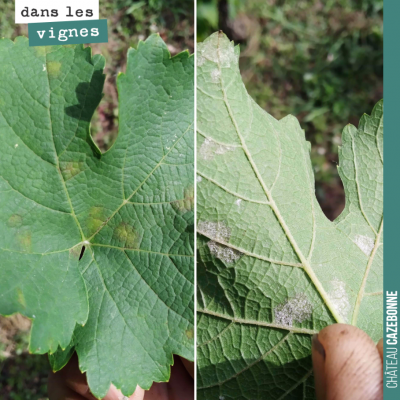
x: 71, y: 168
x: 189, y: 334
x: 40, y: 51
x: 24, y: 239
x: 295, y: 309
x: 15, y: 221
x: 53, y: 68
x: 96, y: 218
x: 21, y: 298
x: 78, y: 251
x: 22, y: 234
x: 187, y: 203
x: 75, y: 252
x: 127, y: 236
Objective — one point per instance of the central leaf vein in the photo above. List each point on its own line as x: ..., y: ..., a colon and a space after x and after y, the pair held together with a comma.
x: 303, y: 259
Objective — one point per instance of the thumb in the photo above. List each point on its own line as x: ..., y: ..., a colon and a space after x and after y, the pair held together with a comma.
x: 347, y: 364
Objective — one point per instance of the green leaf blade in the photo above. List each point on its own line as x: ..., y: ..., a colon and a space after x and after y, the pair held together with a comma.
x: 268, y: 256
x: 128, y: 211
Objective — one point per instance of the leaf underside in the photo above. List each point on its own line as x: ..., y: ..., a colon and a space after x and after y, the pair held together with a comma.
x: 272, y: 269
x: 126, y: 306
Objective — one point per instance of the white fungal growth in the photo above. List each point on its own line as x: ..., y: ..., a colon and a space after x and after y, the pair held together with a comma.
x: 223, y: 252
x: 221, y: 397
x: 223, y: 54
x: 340, y: 298
x: 209, y: 149
x: 214, y: 230
x: 219, y: 232
x: 16, y: 145
x: 199, y: 178
x: 297, y: 308
x: 200, y: 60
x: 215, y: 74
x: 238, y: 201
x: 44, y: 67
x: 365, y: 243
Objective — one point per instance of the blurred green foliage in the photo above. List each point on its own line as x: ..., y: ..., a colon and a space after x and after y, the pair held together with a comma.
x: 321, y: 61
x: 129, y: 22
x: 22, y: 376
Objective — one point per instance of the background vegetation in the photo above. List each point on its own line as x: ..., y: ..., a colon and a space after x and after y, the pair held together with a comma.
x: 321, y: 61
x: 24, y: 376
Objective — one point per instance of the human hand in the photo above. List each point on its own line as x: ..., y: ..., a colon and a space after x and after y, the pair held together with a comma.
x: 347, y: 364
x: 71, y: 384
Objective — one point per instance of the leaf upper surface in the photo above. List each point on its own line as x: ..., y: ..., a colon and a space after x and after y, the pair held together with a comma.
x: 272, y: 269
x: 127, y: 305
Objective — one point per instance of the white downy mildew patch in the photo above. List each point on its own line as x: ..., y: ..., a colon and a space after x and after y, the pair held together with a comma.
x: 199, y: 178
x: 213, y: 52
x: 365, y: 243
x: 214, y: 230
x: 219, y: 231
x: 215, y: 74
x: 200, y: 60
x: 209, y: 149
x: 340, y: 298
x: 224, y: 253
x: 297, y: 308
x: 238, y: 201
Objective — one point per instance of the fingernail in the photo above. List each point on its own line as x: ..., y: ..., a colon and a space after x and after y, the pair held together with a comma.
x: 317, y: 346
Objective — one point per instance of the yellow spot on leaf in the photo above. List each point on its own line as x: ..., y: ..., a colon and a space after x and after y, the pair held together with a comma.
x: 187, y: 203
x: 127, y: 235
x: 54, y: 68
x: 21, y: 298
x: 95, y: 220
x: 40, y: 51
x: 14, y: 221
x: 25, y: 241
x: 71, y: 168
x: 190, y: 334
x: 75, y: 252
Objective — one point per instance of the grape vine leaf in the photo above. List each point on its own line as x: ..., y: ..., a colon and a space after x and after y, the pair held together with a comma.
x: 272, y: 269
x: 98, y: 248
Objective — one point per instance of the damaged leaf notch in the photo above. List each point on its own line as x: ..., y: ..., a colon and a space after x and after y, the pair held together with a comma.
x: 97, y: 249
x: 272, y: 269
